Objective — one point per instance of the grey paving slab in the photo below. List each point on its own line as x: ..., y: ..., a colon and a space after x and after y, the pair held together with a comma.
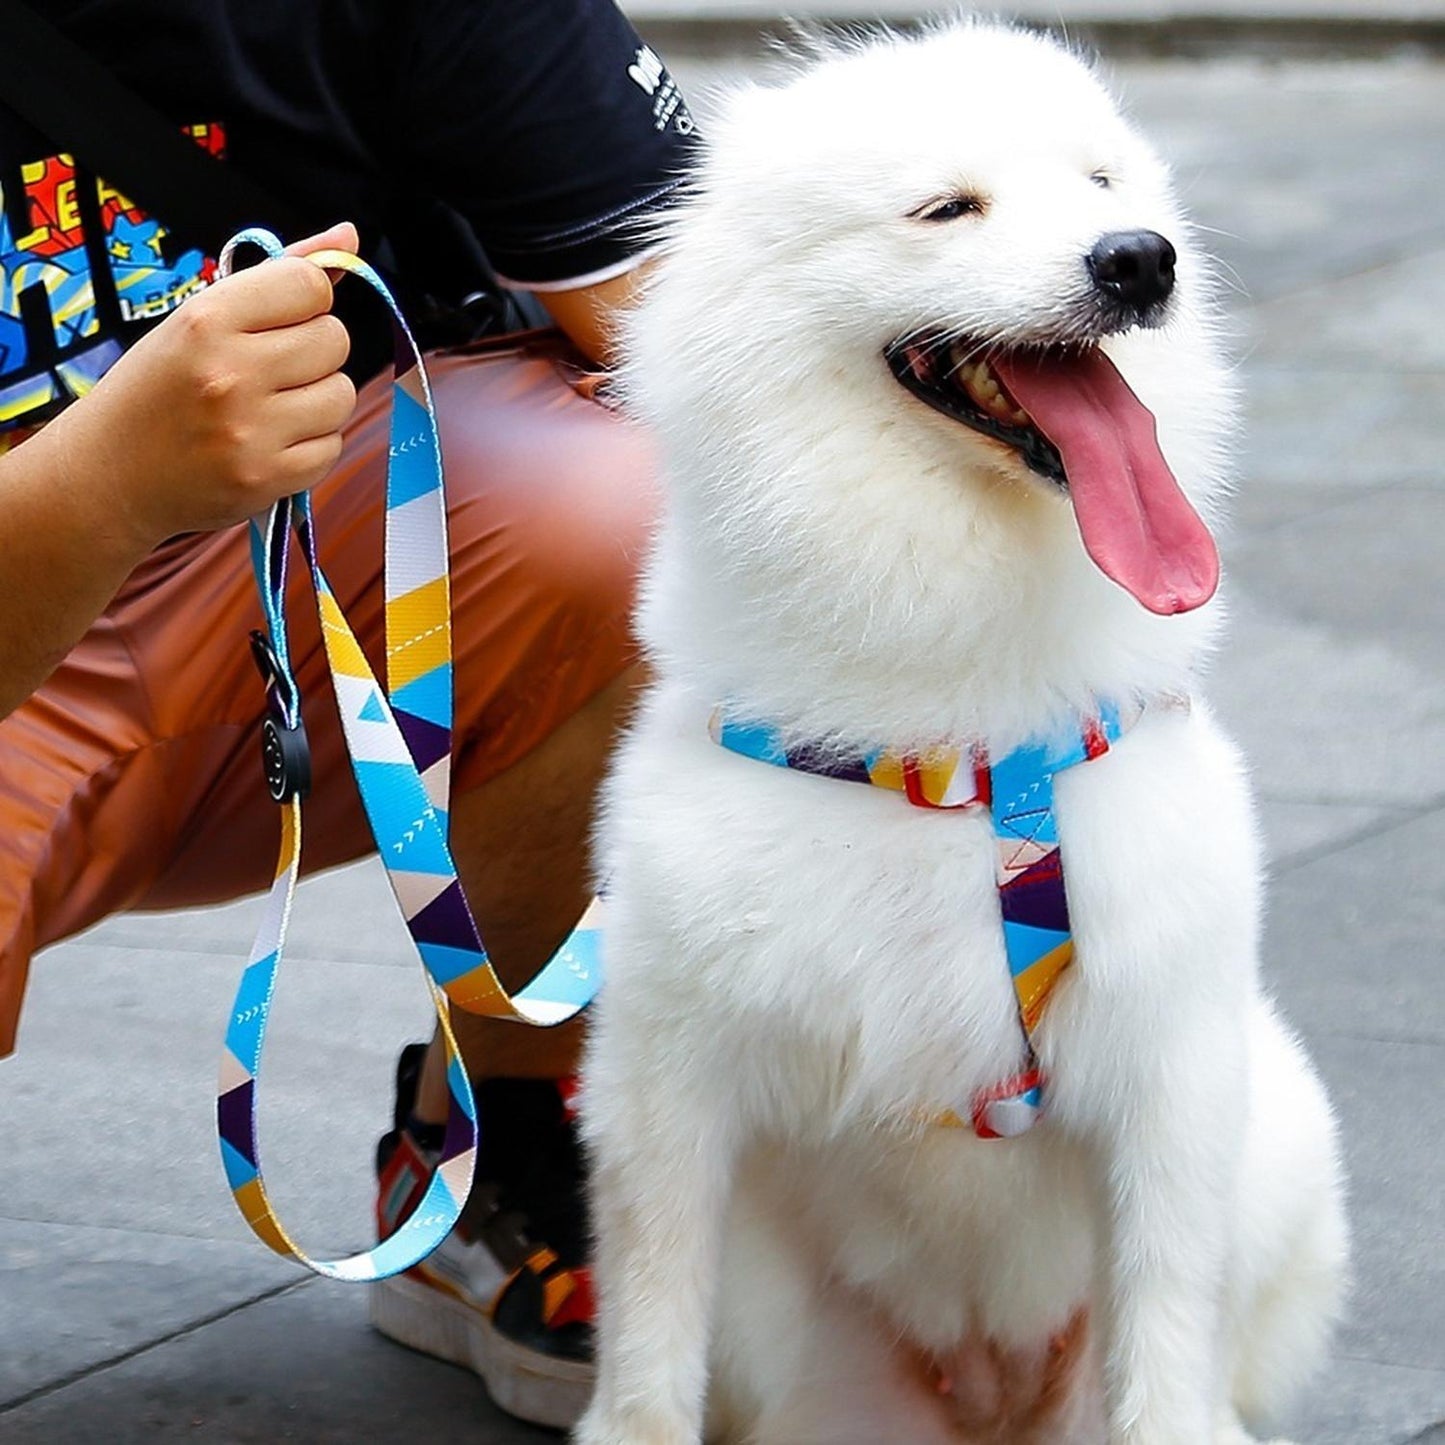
x: 1310, y: 427
x: 73, y: 1297
x: 108, y: 1112
x: 1360, y: 1402
x: 1367, y: 568
x: 304, y: 1367
x: 1385, y: 318
x: 1295, y: 831
x: 345, y: 916
x: 1354, y: 943
x: 1259, y: 507
x: 1326, y: 719
x: 1382, y: 1092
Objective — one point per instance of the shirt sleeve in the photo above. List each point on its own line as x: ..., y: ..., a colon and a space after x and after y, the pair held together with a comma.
x: 549, y: 125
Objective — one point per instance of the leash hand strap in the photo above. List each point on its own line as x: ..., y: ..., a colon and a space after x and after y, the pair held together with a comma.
x: 399, y: 739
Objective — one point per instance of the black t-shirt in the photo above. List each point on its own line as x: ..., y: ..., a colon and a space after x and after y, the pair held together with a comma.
x: 546, y: 126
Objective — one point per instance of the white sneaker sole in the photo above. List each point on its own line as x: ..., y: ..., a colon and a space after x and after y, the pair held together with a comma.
x: 532, y: 1386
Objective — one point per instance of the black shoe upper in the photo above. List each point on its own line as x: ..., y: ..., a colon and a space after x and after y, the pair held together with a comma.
x: 528, y: 1199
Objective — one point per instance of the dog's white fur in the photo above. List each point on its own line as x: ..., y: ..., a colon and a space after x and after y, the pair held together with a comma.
x: 799, y: 969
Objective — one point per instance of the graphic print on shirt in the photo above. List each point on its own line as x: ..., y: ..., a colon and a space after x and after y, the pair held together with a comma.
x: 59, y: 319
x: 668, y: 106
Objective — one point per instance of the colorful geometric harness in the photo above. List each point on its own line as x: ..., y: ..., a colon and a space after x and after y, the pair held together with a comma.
x: 399, y: 738
x: 1018, y: 790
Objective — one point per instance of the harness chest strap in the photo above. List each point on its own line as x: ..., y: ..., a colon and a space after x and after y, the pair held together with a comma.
x: 1018, y: 791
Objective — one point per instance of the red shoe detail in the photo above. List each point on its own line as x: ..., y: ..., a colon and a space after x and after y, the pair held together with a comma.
x: 401, y: 1186
x: 570, y: 1088
x: 579, y: 1307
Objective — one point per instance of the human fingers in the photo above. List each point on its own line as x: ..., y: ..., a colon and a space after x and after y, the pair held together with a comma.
x: 317, y: 409
x: 291, y: 356
x: 279, y: 292
x: 303, y: 464
x: 340, y: 237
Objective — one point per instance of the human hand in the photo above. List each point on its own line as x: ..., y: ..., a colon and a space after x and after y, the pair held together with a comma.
x: 232, y: 402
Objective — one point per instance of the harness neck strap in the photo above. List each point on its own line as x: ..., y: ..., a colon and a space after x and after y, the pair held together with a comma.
x: 1018, y: 791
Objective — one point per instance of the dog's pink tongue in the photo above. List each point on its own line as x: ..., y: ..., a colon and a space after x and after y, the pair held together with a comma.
x: 1136, y: 523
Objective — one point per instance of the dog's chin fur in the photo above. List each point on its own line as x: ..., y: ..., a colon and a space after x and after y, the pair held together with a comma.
x: 799, y: 969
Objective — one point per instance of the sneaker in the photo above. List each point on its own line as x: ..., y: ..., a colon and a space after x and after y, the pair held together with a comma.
x: 507, y: 1293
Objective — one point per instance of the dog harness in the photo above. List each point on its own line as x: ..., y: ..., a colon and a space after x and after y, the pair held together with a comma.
x: 1018, y: 791
x: 399, y: 738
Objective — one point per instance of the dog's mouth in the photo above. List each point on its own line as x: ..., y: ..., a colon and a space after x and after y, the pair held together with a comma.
x: 958, y: 380
x: 1074, y: 421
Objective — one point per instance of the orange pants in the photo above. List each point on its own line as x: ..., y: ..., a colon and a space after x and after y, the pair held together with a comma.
x: 132, y: 778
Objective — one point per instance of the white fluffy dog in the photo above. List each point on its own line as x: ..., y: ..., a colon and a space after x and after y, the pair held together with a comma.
x: 874, y: 543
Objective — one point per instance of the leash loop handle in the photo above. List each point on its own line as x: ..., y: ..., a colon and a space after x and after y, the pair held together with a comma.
x: 399, y: 740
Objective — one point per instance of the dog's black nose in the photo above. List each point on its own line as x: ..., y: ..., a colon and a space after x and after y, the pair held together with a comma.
x: 1135, y: 267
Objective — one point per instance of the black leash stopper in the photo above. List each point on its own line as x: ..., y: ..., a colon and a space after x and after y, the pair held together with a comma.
x: 285, y: 752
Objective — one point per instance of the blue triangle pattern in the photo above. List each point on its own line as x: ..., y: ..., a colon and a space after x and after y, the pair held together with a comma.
x: 248, y: 1013
x: 407, y: 835
x: 373, y: 711
x: 755, y: 740
x: 239, y: 1170
x: 1026, y: 944
x: 446, y: 962
x: 575, y: 973
x: 429, y: 696
x: 460, y: 1089
x: 413, y: 470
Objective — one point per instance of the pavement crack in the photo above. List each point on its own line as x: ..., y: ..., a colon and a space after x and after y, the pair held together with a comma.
x: 219, y: 951
x: 1431, y: 1433
x: 1390, y: 1039
x: 1355, y: 1359
x: 1379, y: 828
x: 10, y: 1216
x: 1337, y: 800
x: 1318, y: 503
x: 1401, y: 249
x: 63, y: 1382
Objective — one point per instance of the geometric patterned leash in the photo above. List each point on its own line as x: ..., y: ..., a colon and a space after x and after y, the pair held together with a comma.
x: 1018, y: 791
x: 399, y: 740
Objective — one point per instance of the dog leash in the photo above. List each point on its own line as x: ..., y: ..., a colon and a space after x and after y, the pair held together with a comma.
x: 399, y: 740
x: 1018, y: 791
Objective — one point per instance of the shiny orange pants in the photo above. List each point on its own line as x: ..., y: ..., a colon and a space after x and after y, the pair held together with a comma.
x: 132, y: 778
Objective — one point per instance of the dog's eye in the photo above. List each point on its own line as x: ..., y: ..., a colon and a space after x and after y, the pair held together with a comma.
x: 949, y: 209
x: 1102, y: 179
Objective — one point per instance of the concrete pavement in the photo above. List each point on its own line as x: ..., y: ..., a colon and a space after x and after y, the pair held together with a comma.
x: 134, y: 1307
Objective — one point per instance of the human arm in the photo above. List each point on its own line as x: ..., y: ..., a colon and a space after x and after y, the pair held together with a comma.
x: 233, y: 401
x: 591, y: 315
